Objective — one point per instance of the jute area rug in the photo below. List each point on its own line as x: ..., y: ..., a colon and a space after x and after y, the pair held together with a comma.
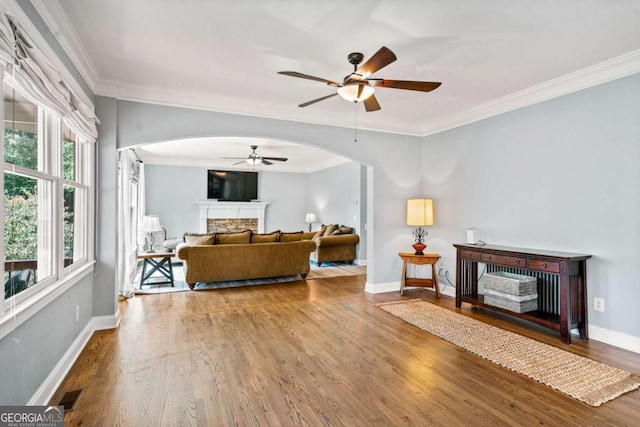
x: 584, y: 379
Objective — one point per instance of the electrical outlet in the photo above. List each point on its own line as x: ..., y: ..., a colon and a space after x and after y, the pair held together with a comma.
x: 598, y: 304
x: 77, y: 313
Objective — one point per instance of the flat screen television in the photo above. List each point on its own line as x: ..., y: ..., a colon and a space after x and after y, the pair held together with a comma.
x: 232, y: 186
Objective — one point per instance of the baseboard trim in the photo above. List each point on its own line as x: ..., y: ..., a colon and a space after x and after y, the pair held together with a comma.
x: 101, y: 323
x: 378, y: 288
x: 46, y: 390
x: 617, y: 339
x: 362, y: 262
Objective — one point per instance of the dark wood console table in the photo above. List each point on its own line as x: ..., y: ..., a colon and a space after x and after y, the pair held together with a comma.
x: 562, y: 283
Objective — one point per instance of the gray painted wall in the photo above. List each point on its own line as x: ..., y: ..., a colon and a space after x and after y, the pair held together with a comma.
x: 560, y: 175
x: 171, y: 193
x: 287, y: 197
x: 335, y: 196
x: 105, y: 301
x: 392, y: 160
x: 29, y: 354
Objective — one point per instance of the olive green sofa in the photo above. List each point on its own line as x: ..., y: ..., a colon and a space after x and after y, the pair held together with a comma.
x: 242, y: 261
x: 334, y: 245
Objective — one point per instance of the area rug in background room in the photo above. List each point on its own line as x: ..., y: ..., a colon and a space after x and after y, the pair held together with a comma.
x: 584, y: 379
x: 326, y: 270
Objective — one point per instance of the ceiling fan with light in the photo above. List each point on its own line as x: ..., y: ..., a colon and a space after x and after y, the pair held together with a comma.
x: 255, y: 159
x: 359, y: 87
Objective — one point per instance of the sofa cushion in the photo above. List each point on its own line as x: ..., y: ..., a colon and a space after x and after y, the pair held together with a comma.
x: 343, y: 230
x: 265, y: 238
x: 291, y: 237
x: 199, y: 239
x: 241, y: 237
x: 330, y: 229
x: 320, y: 232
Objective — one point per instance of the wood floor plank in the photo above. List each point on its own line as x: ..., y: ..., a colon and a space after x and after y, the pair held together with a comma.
x: 317, y: 353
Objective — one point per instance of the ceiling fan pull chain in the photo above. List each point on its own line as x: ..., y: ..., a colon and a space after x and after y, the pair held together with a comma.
x: 355, y: 122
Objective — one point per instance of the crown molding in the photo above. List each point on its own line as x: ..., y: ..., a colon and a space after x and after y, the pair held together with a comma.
x: 61, y: 27
x: 63, y: 30
x: 615, y: 68
x: 243, y: 106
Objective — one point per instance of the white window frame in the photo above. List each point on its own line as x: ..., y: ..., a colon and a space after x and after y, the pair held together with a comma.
x: 17, y: 309
x: 81, y: 230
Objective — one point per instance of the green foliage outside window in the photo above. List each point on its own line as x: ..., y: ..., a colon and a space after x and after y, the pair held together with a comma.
x: 21, y: 200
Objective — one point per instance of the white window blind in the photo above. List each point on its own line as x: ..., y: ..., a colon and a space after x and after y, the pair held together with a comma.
x: 28, y: 70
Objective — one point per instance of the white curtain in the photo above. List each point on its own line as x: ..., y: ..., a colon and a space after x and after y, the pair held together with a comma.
x: 142, y: 209
x: 130, y: 211
x: 29, y: 71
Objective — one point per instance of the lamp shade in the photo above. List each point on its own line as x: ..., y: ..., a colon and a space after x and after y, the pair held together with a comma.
x: 150, y: 224
x: 310, y: 218
x: 419, y: 212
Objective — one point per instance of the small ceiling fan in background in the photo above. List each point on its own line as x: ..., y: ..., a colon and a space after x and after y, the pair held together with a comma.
x: 359, y: 87
x: 255, y: 159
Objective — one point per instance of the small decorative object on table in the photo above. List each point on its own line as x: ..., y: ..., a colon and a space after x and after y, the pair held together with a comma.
x: 420, y: 213
x: 310, y: 219
x: 150, y: 225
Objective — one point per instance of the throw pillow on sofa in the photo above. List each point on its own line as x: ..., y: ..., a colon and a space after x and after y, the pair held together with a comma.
x: 291, y: 237
x: 330, y: 229
x: 198, y: 239
x: 343, y: 230
x: 320, y: 232
x: 265, y: 238
x: 242, y: 237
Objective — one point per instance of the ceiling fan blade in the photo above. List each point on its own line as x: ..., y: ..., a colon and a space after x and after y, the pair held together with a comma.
x: 379, y: 60
x: 277, y: 159
x: 371, y: 104
x: 405, y: 84
x: 266, y: 162
x: 316, y: 100
x: 239, y: 163
x: 306, y: 76
x: 232, y: 158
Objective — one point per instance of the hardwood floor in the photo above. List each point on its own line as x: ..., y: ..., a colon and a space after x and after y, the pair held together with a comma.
x: 315, y: 352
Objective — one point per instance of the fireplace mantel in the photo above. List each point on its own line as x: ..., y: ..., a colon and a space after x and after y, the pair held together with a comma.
x: 213, y: 209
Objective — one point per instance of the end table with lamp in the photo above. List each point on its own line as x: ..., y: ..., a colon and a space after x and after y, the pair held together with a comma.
x: 411, y: 258
x: 420, y: 214
x: 154, y: 262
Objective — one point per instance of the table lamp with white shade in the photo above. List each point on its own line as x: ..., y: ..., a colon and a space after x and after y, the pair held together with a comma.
x: 310, y: 219
x: 150, y: 225
x: 420, y: 214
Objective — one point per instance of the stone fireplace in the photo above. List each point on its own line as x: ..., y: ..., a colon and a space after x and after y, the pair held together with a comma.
x: 232, y: 216
x: 231, y: 225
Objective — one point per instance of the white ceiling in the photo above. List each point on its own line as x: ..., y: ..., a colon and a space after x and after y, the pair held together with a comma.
x: 491, y: 56
x: 211, y: 152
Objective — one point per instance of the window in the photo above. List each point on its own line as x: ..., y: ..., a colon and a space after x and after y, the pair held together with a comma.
x: 75, y: 199
x: 46, y: 198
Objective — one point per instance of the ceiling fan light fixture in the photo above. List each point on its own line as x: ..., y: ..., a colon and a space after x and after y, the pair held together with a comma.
x: 254, y: 160
x: 349, y: 91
